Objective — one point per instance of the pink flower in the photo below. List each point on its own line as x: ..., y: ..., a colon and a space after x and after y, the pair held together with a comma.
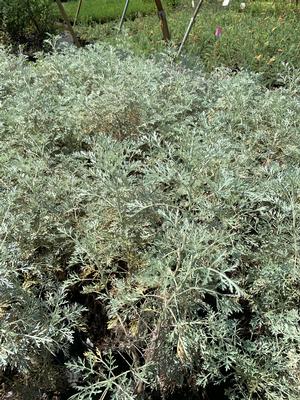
x: 218, y: 32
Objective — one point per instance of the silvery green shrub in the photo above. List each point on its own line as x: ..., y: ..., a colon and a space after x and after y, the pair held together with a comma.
x: 168, y: 196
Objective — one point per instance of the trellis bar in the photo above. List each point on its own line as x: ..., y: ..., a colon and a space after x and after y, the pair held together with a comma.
x: 192, y: 21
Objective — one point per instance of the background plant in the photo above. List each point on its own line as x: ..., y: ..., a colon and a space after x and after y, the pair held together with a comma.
x: 21, y: 19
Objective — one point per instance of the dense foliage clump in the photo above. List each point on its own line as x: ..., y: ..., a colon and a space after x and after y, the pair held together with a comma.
x: 149, y: 229
x: 25, y: 20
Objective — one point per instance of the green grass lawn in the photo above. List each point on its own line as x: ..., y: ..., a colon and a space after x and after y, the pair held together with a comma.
x: 105, y: 10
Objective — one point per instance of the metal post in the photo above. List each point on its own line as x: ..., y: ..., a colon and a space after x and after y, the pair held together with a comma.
x: 77, y: 12
x: 192, y: 21
x: 67, y: 21
x: 123, y: 15
x: 163, y: 21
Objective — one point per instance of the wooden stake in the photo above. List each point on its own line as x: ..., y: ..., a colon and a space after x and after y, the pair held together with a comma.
x: 77, y: 12
x: 192, y: 21
x: 163, y: 21
x: 123, y: 15
x: 68, y: 23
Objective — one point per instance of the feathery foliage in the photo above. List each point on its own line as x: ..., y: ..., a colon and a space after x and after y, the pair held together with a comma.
x: 153, y: 211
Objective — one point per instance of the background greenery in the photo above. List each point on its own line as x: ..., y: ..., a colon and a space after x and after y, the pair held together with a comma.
x: 105, y: 10
x: 263, y: 38
x: 23, y: 20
